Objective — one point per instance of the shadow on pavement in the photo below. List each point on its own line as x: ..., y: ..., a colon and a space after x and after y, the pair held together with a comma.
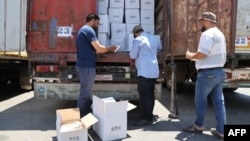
x: 23, y: 112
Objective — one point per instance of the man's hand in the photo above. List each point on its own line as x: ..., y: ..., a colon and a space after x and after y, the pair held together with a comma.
x: 112, y: 48
x: 132, y: 63
x: 189, y: 54
x: 195, y: 56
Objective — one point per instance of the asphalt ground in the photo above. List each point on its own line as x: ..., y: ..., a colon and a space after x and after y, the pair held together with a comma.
x: 23, y: 118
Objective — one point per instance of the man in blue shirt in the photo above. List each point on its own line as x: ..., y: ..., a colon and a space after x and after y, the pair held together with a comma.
x: 88, y: 47
x: 144, y: 53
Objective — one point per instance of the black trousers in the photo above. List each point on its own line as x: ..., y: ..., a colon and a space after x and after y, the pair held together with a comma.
x: 146, y: 87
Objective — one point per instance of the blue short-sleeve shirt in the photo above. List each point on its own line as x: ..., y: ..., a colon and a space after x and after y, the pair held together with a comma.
x: 86, y: 53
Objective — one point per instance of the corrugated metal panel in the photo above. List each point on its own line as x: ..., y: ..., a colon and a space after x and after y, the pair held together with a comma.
x: 243, y: 27
x: 186, y: 30
x: 12, y: 25
x: 2, y: 34
x: 50, y: 21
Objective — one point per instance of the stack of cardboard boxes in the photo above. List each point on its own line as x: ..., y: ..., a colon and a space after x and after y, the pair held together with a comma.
x: 118, y: 17
x: 109, y: 121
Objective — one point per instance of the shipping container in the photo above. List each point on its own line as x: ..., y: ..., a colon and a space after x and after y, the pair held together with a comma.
x: 53, y: 26
x: 233, y: 19
x: 13, y: 55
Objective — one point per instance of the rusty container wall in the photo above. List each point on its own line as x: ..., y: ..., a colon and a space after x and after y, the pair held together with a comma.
x: 51, y: 21
x: 160, y: 28
x: 186, y: 28
x: 13, y: 26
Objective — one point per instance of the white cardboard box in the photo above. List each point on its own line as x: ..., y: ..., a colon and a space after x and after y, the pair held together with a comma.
x: 130, y: 38
x: 104, y: 25
x: 103, y: 3
x: 69, y: 125
x: 148, y: 4
x: 116, y: 15
x: 103, y: 38
x: 112, y: 118
x: 132, y: 16
x: 147, y: 16
x: 118, y: 30
x: 149, y: 28
x: 116, y: 3
x: 102, y: 10
x: 132, y: 3
x: 103, y: 7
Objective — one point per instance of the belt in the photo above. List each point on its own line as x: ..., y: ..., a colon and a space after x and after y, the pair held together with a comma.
x: 207, y: 69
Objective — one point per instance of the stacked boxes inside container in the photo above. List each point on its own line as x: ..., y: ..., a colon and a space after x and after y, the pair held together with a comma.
x: 118, y: 17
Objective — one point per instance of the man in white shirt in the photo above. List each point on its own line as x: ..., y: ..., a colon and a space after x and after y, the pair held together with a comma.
x: 210, y: 59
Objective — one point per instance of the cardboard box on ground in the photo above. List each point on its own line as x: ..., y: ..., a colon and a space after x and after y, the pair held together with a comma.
x: 112, y: 118
x: 69, y: 125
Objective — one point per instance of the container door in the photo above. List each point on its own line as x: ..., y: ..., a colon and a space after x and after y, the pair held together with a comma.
x: 12, y: 25
x: 186, y: 28
x: 242, y: 42
x: 54, y: 23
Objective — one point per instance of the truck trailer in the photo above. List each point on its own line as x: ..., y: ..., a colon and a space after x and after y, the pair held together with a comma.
x: 52, y: 25
x: 13, y: 54
x: 52, y: 54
